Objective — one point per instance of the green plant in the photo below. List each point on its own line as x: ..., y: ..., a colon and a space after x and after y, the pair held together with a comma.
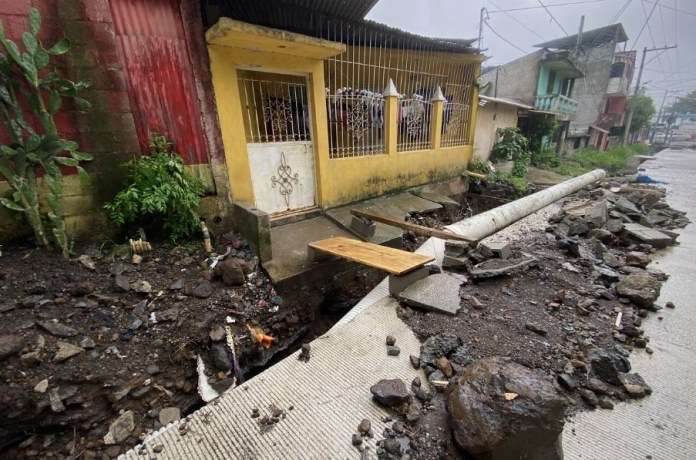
x: 511, y: 145
x: 612, y: 160
x: 542, y: 129
x: 35, y: 147
x: 641, y: 149
x: 160, y: 191
x: 546, y: 158
x: 479, y: 166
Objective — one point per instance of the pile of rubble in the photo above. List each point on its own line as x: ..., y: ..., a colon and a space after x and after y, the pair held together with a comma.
x: 604, y: 239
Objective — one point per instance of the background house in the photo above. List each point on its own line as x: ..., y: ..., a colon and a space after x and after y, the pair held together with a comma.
x: 495, y: 113
x: 582, y: 80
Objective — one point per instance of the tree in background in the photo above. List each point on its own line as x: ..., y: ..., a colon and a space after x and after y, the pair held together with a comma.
x: 642, y: 112
x: 686, y: 104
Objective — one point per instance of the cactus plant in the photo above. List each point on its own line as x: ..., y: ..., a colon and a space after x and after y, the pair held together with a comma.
x: 28, y: 82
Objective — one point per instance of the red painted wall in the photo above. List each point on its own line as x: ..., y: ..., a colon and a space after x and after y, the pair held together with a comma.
x: 153, y: 47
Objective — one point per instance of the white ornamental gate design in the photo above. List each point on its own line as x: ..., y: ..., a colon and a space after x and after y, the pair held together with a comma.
x: 279, y: 141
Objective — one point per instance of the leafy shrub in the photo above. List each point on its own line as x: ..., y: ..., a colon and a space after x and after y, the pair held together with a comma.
x: 546, y: 158
x: 160, y: 191
x: 479, y: 166
x: 641, y: 149
x: 511, y: 146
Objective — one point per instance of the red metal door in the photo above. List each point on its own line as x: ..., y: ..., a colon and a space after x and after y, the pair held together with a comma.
x: 161, y: 87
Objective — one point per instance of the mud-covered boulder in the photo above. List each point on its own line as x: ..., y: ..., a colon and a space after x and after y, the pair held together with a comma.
x: 640, y: 288
x: 500, y: 409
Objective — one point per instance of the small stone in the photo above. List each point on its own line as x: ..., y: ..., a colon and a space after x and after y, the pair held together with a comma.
x: 364, y: 426
x: 9, y: 345
x: 157, y: 448
x: 87, y: 343
x: 57, y: 329
x: 120, y: 429
x: 416, y: 382
x: 122, y: 283
x: 670, y: 305
x: 217, y: 334
x: 67, y: 350
x: 42, y: 386
x: 152, y: 369
x: 390, y: 392
x: 605, y: 403
x: 170, y: 314
x: 391, y: 340
x: 141, y: 286
x: 203, y: 289
x: 393, y: 350
x: 82, y: 288
x: 567, y: 382
x: 357, y: 440
x: 634, y: 385
x: 536, y: 329
x: 589, y: 397
x: 169, y: 414
x: 445, y: 366
x: 398, y: 427
x: 136, y: 259
x: 415, y: 361
x: 177, y: 285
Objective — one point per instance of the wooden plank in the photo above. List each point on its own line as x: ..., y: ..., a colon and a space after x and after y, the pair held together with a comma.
x: 395, y: 261
x: 420, y: 229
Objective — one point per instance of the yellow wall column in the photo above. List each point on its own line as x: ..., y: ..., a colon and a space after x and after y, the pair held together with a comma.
x: 320, y: 130
x: 391, y: 108
x: 436, y: 116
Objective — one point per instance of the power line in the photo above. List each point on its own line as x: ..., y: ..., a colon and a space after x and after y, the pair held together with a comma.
x: 503, y: 38
x: 547, y: 6
x: 552, y: 17
x: 645, y: 24
x: 671, y: 8
x: 620, y: 12
x: 516, y: 20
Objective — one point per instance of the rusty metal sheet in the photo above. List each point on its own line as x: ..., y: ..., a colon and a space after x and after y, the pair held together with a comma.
x: 161, y: 85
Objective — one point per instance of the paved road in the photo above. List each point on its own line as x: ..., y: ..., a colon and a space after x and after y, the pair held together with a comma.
x: 662, y: 426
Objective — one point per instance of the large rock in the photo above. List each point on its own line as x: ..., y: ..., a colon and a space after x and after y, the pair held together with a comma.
x: 390, y: 392
x: 500, y: 409
x: 57, y: 329
x: 66, y: 350
x: 640, y: 288
x: 231, y: 271
x: 607, y: 366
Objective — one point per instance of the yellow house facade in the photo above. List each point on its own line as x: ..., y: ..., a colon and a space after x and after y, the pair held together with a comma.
x: 313, y: 123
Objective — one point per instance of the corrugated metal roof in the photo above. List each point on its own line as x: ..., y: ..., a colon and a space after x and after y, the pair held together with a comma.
x: 590, y: 38
x: 318, y: 18
x: 509, y: 101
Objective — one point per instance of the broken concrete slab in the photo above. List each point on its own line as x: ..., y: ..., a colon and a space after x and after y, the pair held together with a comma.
x: 498, y: 267
x: 625, y: 206
x: 364, y: 228
x: 647, y: 235
x: 443, y: 200
x: 439, y: 293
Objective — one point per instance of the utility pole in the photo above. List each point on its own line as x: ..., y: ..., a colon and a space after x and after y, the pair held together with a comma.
x: 483, y: 11
x: 627, y: 129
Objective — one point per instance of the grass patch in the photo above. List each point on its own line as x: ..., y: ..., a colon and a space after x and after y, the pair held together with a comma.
x: 612, y: 160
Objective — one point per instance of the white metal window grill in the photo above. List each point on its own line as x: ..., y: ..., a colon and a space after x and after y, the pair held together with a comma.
x: 356, y: 79
x: 413, y: 121
x: 275, y: 107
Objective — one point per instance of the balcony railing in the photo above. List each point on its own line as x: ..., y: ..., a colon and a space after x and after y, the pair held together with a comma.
x: 557, y: 104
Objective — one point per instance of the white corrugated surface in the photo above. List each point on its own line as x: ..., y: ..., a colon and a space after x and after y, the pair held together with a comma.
x: 662, y: 425
x: 330, y: 395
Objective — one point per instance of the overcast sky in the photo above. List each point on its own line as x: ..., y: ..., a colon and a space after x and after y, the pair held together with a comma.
x: 671, y: 22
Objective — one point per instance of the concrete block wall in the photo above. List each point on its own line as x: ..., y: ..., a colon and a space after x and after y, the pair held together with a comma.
x: 589, y: 91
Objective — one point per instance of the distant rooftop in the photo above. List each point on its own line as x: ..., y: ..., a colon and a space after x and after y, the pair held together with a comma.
x: 590, y: 38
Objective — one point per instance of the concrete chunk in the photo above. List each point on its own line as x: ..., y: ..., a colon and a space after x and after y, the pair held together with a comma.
x: 500, y: 250
x: 439, y: 293
x: 498, y: 267
x: 647, y: 235
x: 398, y: 283
x: 364, y: 228
x: 445, y: 201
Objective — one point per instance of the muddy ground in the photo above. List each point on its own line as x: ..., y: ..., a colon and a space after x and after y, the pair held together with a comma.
x: 79, y: 345
x: 136, y: 351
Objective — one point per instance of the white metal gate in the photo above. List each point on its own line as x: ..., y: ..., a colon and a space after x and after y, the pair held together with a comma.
x: 279, y: 141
